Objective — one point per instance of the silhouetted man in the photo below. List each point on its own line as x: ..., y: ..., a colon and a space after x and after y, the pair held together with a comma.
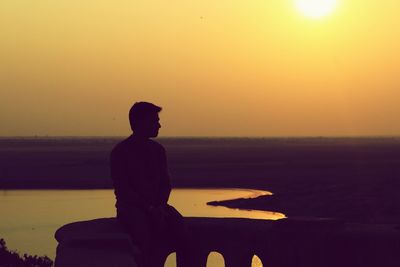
x: 142, y: 185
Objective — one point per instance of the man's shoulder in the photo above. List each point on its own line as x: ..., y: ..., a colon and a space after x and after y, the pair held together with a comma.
x: 121, y: 147
x: 156, y: 145
x: 129, y: 145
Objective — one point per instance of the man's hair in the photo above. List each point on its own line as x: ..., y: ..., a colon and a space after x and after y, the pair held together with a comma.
x: 141, y: 110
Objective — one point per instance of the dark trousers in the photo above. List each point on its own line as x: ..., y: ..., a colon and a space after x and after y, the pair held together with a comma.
x: 156, y: 237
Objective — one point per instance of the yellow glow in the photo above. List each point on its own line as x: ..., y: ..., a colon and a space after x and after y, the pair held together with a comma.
x: 248, y: 68
x: 316, y: 8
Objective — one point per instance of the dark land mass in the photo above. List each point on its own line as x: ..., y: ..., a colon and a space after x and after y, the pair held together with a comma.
x: 355, y: 179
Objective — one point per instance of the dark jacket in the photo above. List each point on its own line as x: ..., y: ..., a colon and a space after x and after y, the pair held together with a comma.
x: 140, y: 174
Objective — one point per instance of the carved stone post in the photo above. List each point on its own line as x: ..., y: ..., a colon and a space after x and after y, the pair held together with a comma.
x: 192, y: 258
x: 237, y: 257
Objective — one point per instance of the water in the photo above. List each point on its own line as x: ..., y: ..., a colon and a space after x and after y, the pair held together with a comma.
x: 29, y: 218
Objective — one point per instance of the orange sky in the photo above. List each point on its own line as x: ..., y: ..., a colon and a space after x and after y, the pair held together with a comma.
x: 218, y: 68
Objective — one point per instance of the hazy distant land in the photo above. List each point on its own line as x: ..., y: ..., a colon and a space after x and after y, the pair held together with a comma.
x: 356, y: 179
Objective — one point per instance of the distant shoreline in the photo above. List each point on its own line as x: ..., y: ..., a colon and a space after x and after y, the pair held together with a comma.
x: 354, y: 179
x: 206, y: 137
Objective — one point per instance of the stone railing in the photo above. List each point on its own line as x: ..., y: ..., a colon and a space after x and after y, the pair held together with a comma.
x: 282, y: 243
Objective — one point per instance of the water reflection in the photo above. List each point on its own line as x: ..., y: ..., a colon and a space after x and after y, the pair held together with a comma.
x: 193, y: 202
x: 29, y: 218
x: 256, y: 262
x: 171, y: 260
x: 214, y: 259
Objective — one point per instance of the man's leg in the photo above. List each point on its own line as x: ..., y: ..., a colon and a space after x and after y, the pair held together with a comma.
x: 178, y: 237
x: 137, y: 226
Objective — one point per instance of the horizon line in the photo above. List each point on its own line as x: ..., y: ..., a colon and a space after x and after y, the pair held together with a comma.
x: 205, y: 136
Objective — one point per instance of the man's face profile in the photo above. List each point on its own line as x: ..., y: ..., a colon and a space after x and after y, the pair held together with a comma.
x: 154, y: 125
x: 149, y: 126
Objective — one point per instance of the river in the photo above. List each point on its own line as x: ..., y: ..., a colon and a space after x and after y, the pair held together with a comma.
x: 29, y: 218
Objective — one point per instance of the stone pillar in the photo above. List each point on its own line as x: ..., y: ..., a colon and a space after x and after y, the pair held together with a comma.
x: 192, y: 258
x: 83, y: 253
x: 238, y: 257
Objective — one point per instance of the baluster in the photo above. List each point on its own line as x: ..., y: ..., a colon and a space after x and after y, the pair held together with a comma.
x: 238, y: 258
x: 192, y: 258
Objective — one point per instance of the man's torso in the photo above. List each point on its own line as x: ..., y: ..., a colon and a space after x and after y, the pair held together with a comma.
x: 139, y: 170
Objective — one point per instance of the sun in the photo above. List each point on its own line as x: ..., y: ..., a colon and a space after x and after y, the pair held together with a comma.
x: 316, y: 8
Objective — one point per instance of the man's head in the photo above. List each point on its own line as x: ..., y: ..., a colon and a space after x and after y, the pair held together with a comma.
x: 144, y: 120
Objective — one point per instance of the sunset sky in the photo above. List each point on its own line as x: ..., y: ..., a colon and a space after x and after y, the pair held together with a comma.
x: 218, y: 68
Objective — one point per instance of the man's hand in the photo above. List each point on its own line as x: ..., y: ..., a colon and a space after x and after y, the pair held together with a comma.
x: 158, y: 216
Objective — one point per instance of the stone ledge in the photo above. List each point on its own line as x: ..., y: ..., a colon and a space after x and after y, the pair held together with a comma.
x: 287, y: 242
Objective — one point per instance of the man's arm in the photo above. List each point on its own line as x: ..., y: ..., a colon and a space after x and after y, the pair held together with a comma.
x: 165, y: 187
x: 123, y: 189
